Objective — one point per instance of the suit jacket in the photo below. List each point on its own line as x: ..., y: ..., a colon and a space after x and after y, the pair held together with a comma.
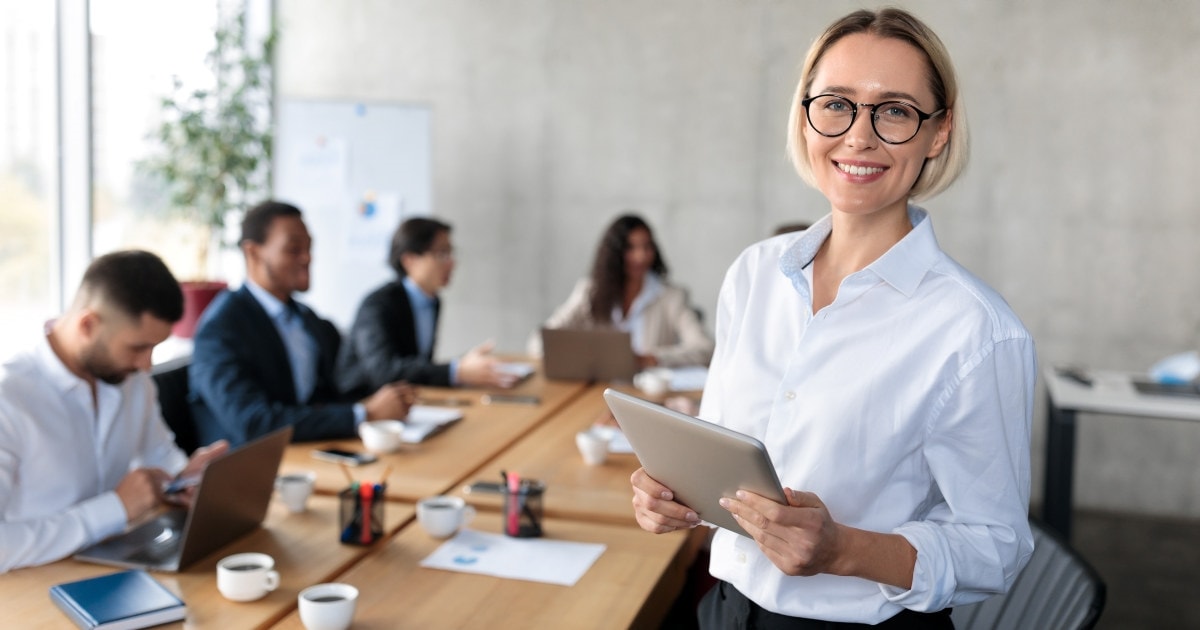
x: 382, y: 345
x: 240, y: 379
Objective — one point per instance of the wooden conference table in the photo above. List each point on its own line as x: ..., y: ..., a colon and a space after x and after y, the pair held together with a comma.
x: 1110, y: 393
x: 631, y: 585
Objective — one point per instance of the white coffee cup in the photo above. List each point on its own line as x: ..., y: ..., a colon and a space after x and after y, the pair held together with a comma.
x: 653, y: 382
x: 442, y: 516
x: 328, y: 606
x: 245, y: 577
x: 593, y: 445
x: 382, y: 436
x: 295, y: 488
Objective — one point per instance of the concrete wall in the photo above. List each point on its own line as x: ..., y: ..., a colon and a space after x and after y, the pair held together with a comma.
x: 551, y: 116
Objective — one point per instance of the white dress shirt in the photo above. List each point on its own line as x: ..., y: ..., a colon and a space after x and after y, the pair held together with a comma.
x: 62, y: 456
x: 301, y: 347
x: 905, y: 405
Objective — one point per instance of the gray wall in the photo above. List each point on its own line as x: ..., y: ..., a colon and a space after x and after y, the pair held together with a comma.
x: 550, y: 116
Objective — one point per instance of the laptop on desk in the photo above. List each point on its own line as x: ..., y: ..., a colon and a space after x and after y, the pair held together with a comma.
x: 587, y: 355
x: 231, y: 500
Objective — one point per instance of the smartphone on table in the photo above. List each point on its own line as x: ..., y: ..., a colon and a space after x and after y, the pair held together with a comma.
x: 343, y: 456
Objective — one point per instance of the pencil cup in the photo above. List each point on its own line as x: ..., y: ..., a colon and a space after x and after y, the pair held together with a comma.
x: 523, y: 509
x: 360, y: 513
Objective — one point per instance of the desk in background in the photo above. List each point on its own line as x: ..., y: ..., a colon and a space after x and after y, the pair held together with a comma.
x: 1110, y: 393
x: 304, y: 547
x: 438, y: 464
x: 631, y: 585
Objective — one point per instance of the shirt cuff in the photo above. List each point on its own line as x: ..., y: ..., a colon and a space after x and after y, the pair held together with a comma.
x: 454, y: 372
x: 360, y: 414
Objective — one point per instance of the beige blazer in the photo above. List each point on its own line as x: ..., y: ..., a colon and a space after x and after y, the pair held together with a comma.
x: 671, y: 330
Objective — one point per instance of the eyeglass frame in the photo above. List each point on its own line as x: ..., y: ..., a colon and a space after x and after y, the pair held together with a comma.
x: 921, y: 116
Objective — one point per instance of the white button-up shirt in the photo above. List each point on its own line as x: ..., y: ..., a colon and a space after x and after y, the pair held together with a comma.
x: 62, y: 455
x: 905, y: 405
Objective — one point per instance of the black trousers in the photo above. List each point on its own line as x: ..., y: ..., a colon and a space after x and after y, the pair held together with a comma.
x: 725, y: 608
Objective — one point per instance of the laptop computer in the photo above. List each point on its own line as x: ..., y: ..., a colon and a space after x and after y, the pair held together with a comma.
x: 587, y: 355
x: 231, y: 500
x: 699, y: 461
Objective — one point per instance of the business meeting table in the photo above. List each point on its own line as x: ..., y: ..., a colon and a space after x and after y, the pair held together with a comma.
x: 632, y: 584
x: 1110, y: 393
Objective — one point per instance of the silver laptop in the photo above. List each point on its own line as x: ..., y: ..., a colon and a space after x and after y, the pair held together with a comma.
x: 231, y: 500
x: 587, y: 355
x: 699, y: 461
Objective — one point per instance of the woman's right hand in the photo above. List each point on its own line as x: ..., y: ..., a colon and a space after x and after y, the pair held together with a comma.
x: 655, y: 508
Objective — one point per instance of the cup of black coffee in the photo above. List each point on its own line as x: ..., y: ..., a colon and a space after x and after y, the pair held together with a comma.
x: 328, y: 606
x: 245, y: 577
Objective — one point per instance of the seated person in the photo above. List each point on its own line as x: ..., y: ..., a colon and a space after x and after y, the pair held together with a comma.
x: 83, y: 449
x: 628, y: 290
x: 395, y: 330
x: 262, y: 360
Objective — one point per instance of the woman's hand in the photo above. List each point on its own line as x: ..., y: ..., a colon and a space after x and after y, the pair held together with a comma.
x: 800, y: 538
x: 655, y: 508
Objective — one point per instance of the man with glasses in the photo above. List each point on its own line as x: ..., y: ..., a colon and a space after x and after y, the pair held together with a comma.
x: 395, y: 330
x: 263, y: 361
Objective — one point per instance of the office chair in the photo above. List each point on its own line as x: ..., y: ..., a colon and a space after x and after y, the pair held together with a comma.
x: 172, y: 381
x: 1057, y: 589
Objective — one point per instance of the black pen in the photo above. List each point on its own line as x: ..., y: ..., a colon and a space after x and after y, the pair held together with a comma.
x: 489, y: 399
x: 445, y: 402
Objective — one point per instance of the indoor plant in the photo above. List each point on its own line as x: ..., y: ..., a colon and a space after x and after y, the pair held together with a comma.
x: 214, y: 144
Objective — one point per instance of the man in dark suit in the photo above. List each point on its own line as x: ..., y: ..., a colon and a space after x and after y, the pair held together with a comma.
x: 395, y: 329
x: 262, y: 360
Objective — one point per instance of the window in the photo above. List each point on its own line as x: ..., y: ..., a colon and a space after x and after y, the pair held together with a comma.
x: 28, y: 169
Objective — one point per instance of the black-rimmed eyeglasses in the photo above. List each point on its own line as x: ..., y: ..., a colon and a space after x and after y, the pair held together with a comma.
x: 895, y: 122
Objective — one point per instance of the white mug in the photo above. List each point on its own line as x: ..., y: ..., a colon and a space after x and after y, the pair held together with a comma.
x: 652, y: 382
x: 442, y: 516
x: 328, y: 606
x: 593, y: 445
x: 295, y: 488
x: 245, y: 577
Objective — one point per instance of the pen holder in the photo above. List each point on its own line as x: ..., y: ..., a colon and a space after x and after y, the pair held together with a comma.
x: 523, y: 510
x: 360, y: 514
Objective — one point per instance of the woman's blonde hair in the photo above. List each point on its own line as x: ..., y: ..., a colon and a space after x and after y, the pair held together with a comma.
x: 939, y: 172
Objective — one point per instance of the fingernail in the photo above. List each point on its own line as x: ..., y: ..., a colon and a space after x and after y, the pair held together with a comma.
x: 725, y: 503
x: 691, y: 517
x: 740, y: 494
x: 666, y: 495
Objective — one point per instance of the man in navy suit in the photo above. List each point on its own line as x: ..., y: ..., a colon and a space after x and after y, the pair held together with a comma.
x: 263, y: 361
x: 395, y: 330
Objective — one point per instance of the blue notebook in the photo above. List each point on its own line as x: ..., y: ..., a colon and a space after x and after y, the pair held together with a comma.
x: 119, y: 601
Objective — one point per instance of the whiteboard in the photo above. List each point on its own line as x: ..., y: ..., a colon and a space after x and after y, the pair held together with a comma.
x: 356, y: 170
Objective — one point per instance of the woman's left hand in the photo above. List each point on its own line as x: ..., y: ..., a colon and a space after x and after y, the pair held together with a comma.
x: 800, y: 538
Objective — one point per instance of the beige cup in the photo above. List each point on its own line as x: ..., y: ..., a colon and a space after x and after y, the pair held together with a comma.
x: 245, y: 577
x: 442, y: 516
x: 328, y: 606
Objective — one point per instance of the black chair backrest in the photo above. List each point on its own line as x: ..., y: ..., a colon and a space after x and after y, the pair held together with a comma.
x: 172, y: 382
x: 1057, y: 589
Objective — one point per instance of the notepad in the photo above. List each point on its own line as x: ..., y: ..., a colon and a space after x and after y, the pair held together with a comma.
x: 425, y: 420
x: 118, y: 601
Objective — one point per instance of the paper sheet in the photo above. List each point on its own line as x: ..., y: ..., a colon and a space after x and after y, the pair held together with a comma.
x: 687, y: 379
x: 532, y: 559
x: 425, y: 420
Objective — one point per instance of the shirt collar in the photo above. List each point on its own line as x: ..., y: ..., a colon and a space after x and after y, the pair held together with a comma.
x: 62, y: 379
x: 271, y: 304
x: 902, y: 266
x: 415, y: 294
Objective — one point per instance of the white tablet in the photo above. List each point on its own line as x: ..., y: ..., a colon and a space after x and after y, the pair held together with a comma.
x: 699, y: 461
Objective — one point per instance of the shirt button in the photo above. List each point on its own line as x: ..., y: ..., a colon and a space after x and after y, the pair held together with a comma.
x: 741, y: 558
x: 790, y: 395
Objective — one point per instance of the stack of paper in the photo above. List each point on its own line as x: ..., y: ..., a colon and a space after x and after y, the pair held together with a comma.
x: 533, y: 559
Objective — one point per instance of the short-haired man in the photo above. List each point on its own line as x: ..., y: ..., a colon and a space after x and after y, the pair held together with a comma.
x: 395, y: 329
x: 262, y: 360
x: 83, y: 448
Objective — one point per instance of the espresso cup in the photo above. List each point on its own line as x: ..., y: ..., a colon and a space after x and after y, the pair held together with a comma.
x: 328, y: 606
x: 245, y: 577
x: 593, y: 445
x: 442, y: 516
x: 294, y: 489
